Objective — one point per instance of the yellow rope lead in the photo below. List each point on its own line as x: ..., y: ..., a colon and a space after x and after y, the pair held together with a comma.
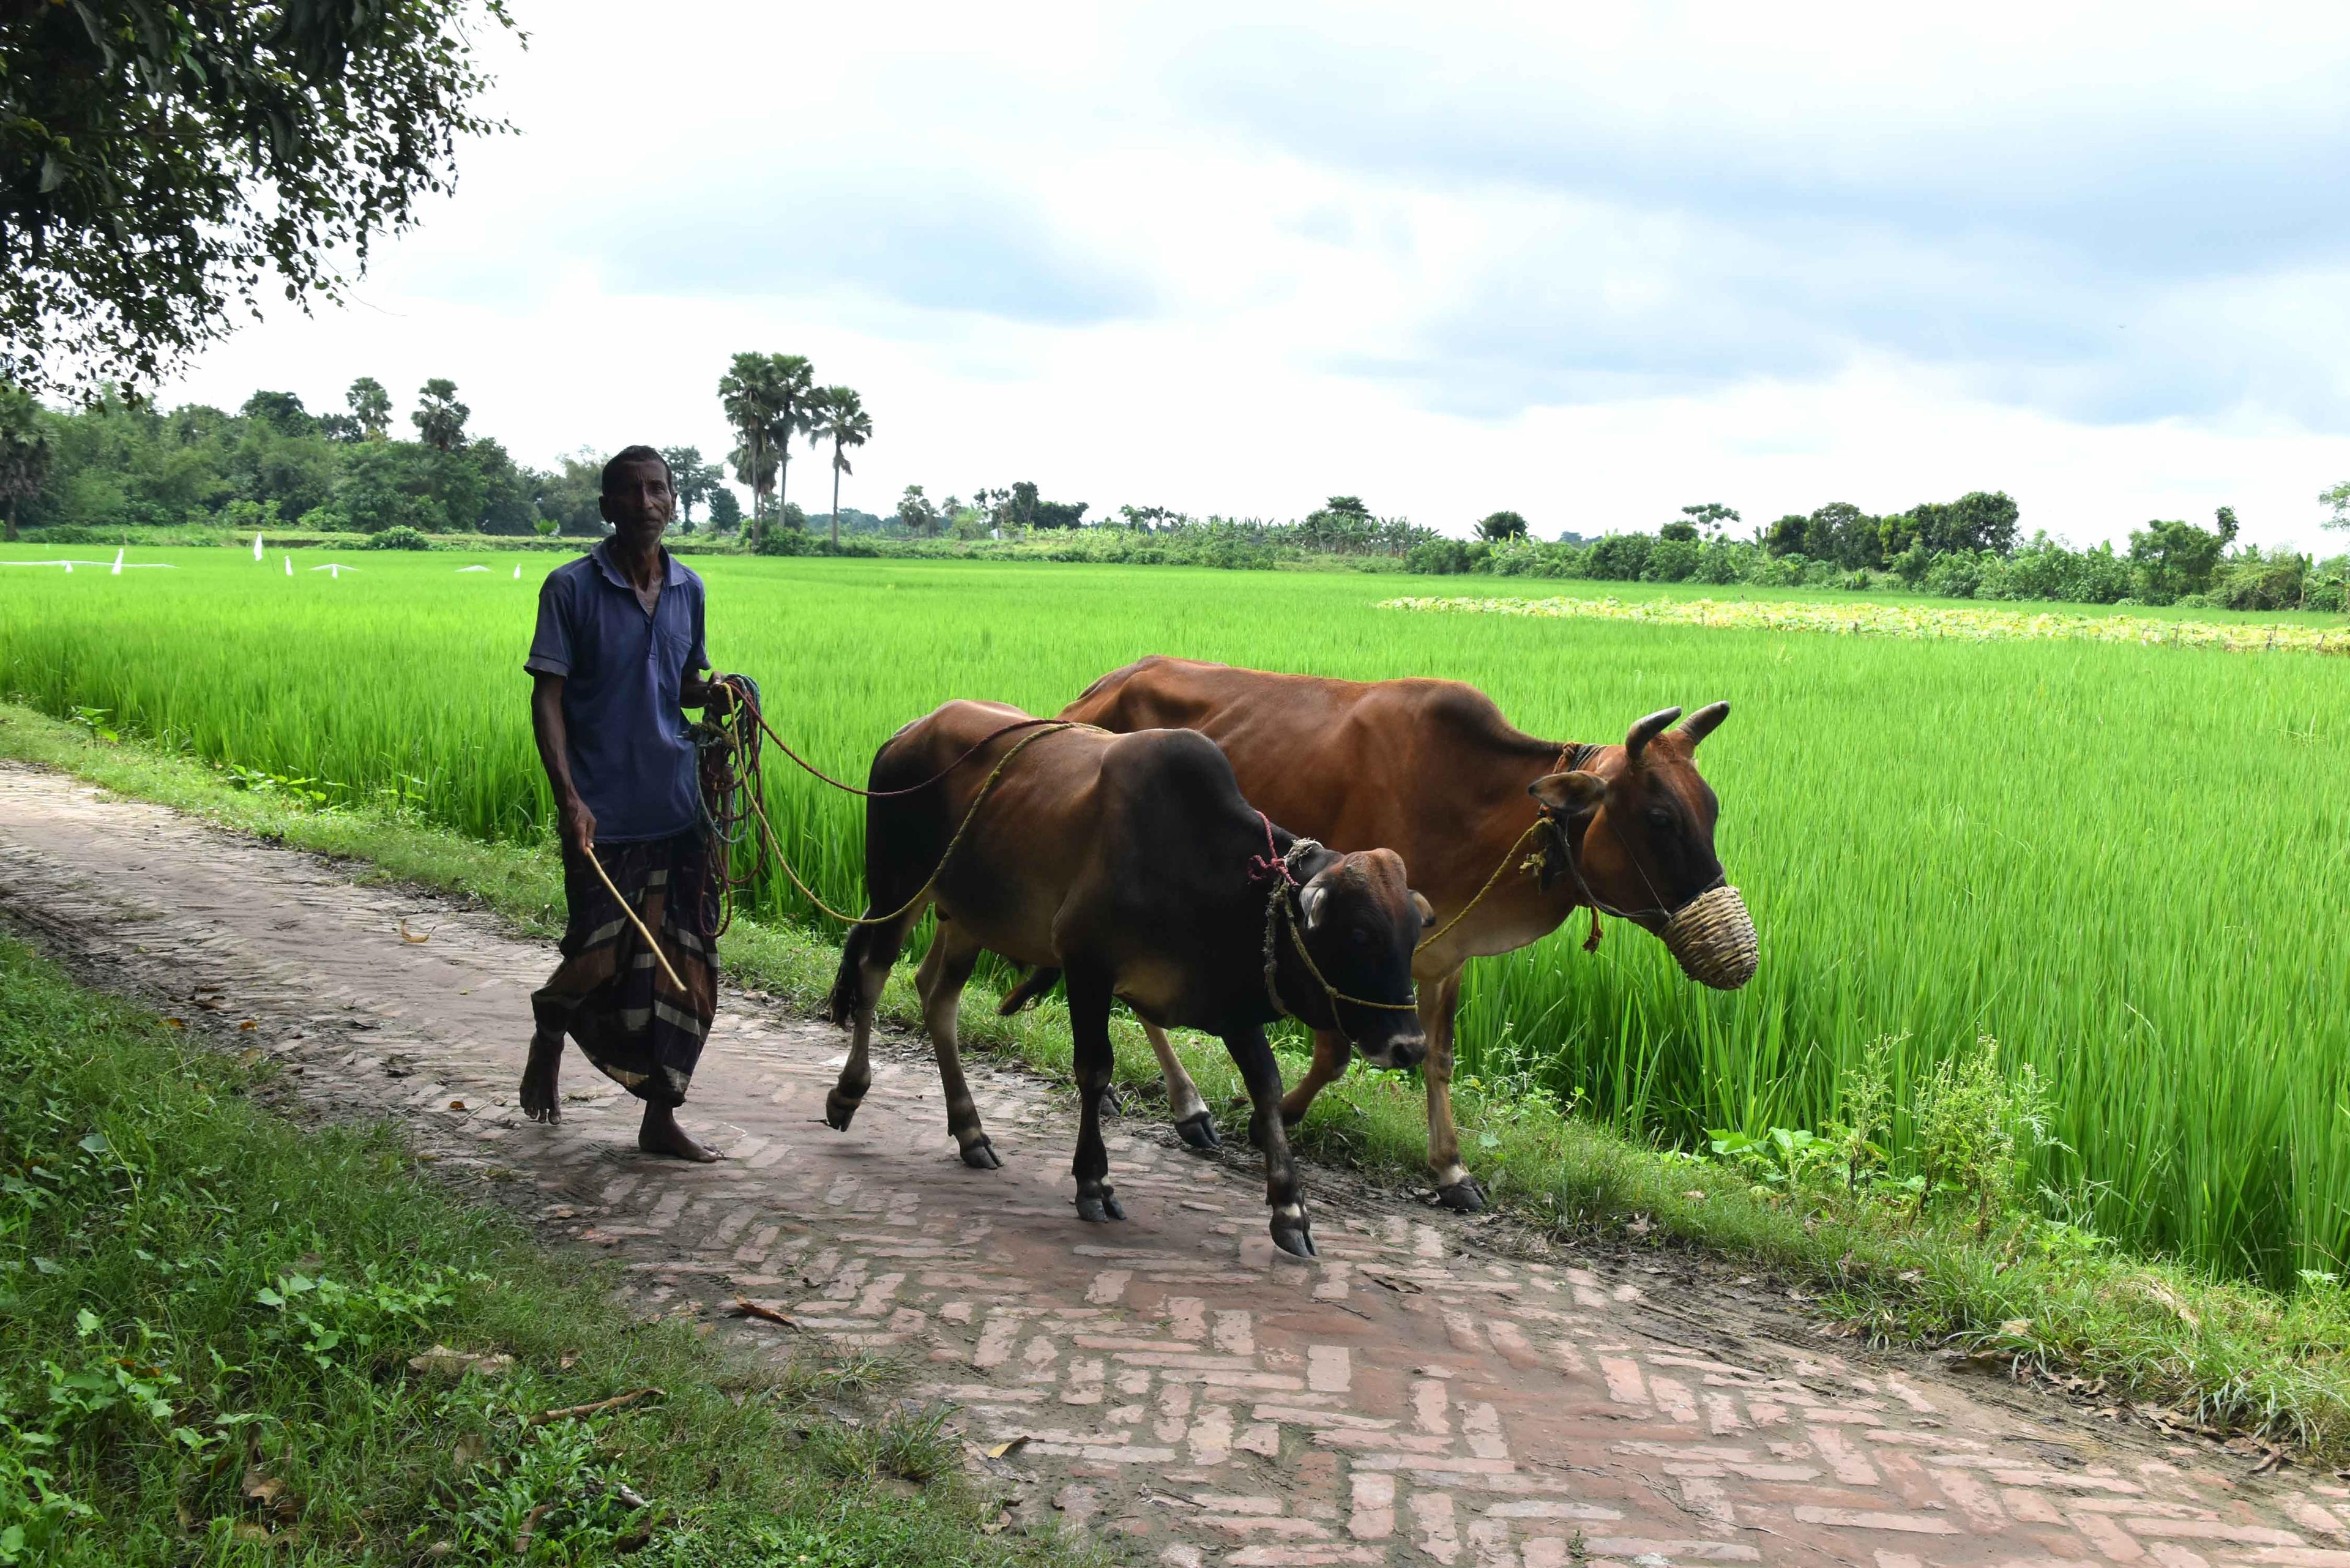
x: 776, y: 849
x: 1507, y: 860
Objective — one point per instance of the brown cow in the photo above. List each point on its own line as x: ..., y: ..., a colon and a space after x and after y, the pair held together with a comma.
x: 1430, y: 769
x: 1132, y: 865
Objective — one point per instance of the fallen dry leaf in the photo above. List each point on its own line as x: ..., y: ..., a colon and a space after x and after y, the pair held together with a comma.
x: 761, y: 1309
x: 2016, y: 1327
x: 270, y: 1494
x: 459, y: 1106
x: 1695, y: 1195
x: 2163, y: 1296
x: 250, y: 1023
x: 468, y: 1450
x: 175, y: 1024
x: 457, y: 1363
x: 408, y: 935
x: 1009, y: 1446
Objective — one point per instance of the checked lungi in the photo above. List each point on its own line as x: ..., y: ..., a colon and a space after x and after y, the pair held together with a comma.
x: 611, y: 995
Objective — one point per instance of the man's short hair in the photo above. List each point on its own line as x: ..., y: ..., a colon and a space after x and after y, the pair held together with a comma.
x: 628, y: 455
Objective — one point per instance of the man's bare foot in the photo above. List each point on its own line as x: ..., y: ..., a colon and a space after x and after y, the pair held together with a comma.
x: 541, y: 1100
x: 660, y: 1134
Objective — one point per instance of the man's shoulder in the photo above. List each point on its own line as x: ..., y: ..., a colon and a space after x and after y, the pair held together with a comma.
x: 566, y: 579
x: 686, y: 575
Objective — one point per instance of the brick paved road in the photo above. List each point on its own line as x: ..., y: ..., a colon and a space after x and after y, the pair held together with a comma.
x: 1181, y: 1387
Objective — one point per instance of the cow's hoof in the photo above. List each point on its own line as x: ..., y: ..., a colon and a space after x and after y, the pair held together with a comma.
x: 1096, y: 1207
x: 839, y: 1110
x: 980, y: 1155
x: 1292, y: 1235
x: 1462, y: 1197
x: 1199, y: 1130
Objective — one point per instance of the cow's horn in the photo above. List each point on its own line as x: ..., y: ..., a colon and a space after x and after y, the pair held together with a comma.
x: 1704, y: 721
x: 1647, y: 730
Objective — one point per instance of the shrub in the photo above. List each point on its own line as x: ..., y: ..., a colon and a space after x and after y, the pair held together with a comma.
x: 1719, y: 563
x: 398, y: 537
x: 1672, y: 560
x: 2254, y: 583
x: 1438, y: 557
x: 1954, y: 574
x: 1621, y: 557
x: 1976, y: 1130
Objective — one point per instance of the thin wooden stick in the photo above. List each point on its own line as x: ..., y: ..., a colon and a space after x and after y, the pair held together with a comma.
x: 636, y: 922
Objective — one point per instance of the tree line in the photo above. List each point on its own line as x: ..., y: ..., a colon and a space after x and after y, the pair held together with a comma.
x: 276, y: 464
x: 1966, y: 548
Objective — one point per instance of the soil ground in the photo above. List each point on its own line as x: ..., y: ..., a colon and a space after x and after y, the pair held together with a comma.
x: 1430, y: 1389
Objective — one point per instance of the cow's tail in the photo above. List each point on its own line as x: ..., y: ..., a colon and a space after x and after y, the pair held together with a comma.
x: 848, y: 998
x: 1028, y: 990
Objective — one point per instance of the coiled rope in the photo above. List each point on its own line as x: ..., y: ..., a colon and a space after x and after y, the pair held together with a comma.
x: 734, y: 796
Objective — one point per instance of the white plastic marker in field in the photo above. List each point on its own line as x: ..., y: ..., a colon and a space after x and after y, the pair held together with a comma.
x: 256, y: 549
x: 117, y: 565
x: 461, y: 570
x: 289, y: 565
x: 517, y: 571
x: 334, y: 570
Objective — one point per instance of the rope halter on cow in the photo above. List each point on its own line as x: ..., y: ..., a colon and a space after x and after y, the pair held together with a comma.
x: 1709, y: 933
x: 1286, y: 908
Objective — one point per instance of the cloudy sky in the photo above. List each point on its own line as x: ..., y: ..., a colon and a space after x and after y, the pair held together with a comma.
x: 1590, y: 263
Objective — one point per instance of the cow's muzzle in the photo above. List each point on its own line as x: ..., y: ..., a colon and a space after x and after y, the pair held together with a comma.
x: 1397, y: 1051
x: 1712, y: 936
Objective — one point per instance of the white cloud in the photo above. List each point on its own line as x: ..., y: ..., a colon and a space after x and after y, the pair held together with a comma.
x: 1591, y: 264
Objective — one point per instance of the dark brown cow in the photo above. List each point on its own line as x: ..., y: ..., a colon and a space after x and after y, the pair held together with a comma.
x: 1132, y: 865
x: 1430, y: 769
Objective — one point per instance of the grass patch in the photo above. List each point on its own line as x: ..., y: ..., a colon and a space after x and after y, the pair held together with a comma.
x: 227, y: 1341
x: 1992, y: 1280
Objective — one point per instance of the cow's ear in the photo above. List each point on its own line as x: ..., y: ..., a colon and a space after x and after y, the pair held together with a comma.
x: 1427, y: 910
x: 1569, y: 795
x: 1311, y: 900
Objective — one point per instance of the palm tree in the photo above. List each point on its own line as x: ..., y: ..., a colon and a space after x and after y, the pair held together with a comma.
x: 794, y: 415
x: 26, y: 451
x: 766, y: 397
x: 840, y: 418
x: 749, y: 395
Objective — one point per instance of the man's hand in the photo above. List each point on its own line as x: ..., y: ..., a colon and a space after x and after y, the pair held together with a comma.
x: 579, y: 825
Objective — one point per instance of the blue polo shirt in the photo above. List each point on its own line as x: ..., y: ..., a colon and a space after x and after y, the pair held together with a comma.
x: 631, y: 757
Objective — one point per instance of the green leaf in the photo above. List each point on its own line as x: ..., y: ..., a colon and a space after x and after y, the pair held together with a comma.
x: 95, y: 1142
x: 87, y: 1322
x: 48, y: 1265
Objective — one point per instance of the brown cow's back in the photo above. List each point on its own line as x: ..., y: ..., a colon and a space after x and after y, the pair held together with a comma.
x: 1428, y: 768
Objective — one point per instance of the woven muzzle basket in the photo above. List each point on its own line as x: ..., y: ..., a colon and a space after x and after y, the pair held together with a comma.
x: 1713, y: 937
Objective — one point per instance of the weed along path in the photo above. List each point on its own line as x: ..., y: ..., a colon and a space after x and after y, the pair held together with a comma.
x: 1428, y: 1391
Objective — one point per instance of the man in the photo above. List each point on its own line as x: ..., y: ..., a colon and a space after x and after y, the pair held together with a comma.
x: 618, y: 652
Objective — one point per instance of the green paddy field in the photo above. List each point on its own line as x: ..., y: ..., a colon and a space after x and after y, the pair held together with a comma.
x: 2128, y: 862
